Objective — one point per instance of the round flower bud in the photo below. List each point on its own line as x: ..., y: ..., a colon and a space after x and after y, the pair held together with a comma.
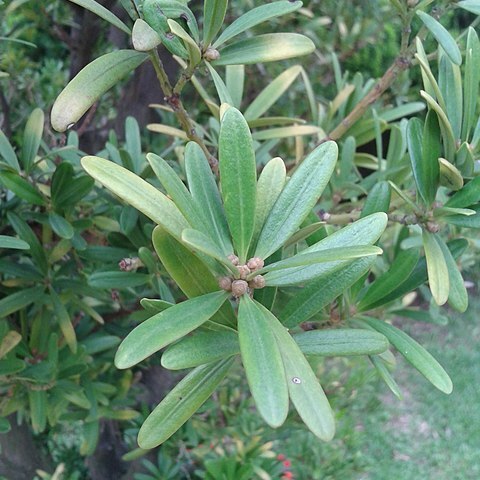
x: 225, y: 283
x: 239, y: 288
x: 257, y: 282
x: 244, y: 271
x: 233, y: 258
x: 211, y: 54
x: 255, y: 263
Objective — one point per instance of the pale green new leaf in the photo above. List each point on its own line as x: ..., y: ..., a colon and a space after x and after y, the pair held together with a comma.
x: 137, y: 192
x: 284, y: 132
x: 238, y: 179
x: 166, y: 327
x: 32, y: 136
x: 263, y: 362
x: 269, y: 47
x: 382, y: 370
x: 194, y: 53
x: 181, y: 403
x: 437, y: 268
x: 472, y: 6
x: 90, y: 84
x: 297, y: 198
x: 144, y: 37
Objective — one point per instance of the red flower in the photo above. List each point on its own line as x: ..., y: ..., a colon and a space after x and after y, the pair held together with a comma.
x: 280, y: 457
x: 287, y: 476
x: 287, y: 463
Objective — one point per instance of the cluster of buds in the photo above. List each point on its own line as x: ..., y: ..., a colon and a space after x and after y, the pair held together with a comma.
x: 244, y: 283
x: 287, y: 474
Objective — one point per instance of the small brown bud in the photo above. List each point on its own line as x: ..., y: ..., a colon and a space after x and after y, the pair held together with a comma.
x: 211, y: 54
x: 255, y: 263
x: 234, y: 259
x: 225, y: 283
x: 129, y: 264
x: 257, y: 282
x: 244, y: 271
x: 239, y: 288
x: 433, y: 227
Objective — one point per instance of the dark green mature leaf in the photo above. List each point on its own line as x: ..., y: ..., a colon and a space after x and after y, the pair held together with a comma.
x: 64, y: 321
x: 471, y: 81
x: 102, y: 12
x: 8, y: 153
x: 166, y: 327
x: 431, y: 150
x: 117, y: 279
x: 60, y: 226
x: 205, y: 193
x: 399, y: 271
x: 238, y: 179
x: 12, y: 242
x: 442, y: 36
x: 200, y: 348
x: 18, y: 300
x: 37, y: 400
x: 137, y: 192
x: 269, y: 47
x: 213, y: 15
x: 90, y: 84
x: 414, y: 353
x: 471, y: 221
x: 32, y: 136
x: 378, y: 199
x: 468, y: 195
x: 437, y: 269
x: 181, y: 403
x: 21, y: 188
x: 263, y: 362
x: 304, y: 388
x: 341, y: 342
x: 297, y: 198
x: 255, y: 16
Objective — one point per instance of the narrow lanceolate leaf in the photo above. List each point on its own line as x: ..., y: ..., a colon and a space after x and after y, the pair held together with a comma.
x: 204, y: 190
x: 457, y: 295
x: 137, y: 192
x: 413, y: 353
x: 263, y: 362
x: 442, y: 36
x: 398, y: 272
x: 38, y: 409
x: 382, y: 370
x: 181, y: 403
x: 32, y: 136
x: 471, y: 81
x: 102, y: 12
x: 12, y: 242
x: 341, y: 342
x: 166, y: 327
x: 269, y: 47
x: 213, y: 15
x: 468, y: 195
x: 304, y: 388
x: 222, y: 90
x: 470, y: 221
x: 297, y: 198
x: 18, y: 300
x: 64, y: 321
x: 8, y: 153
x: 234, y: 81
x: 437, y: 268
x: 450, y: 83
x: 270, y: 94
x: 238, y: 179
x: 255, y: 16
x: 470, y: 5
x: 21, y: 187
x: 365, y: 230
x: 269, y: 186
x: 201, y: 348
x: 194, y: 53
x: 378, y: 199
x: 90, y: 84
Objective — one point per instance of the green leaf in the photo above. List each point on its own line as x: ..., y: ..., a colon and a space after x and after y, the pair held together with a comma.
x: 322, y: 256
x: 414, y: 353
x: 365, y: 230
x: 450, y: 176
x: 12, y: 242
x: 222, y: 90
x: 200, y: 348
x: 90, y: 84
x: 8, y: 153
x: 399, y: 271
x: 437, y: 269
x: 457, y: 295
x: 378, y: 199
x: 471, y: 221
x: 270, y: 94
x: 298, y: 197
x: 205, y: 193
x: 21, y: 188
x: 11, y: 366
x: 181, y: 403
x: 137, y: 192
x: 213, y: 15
x: 155, y: 305
x: 472, y: 6
x: 9, y: 342
x: 319, y: 293
x: 269, y: 47
x: 238, y: 179
x: 144, y: 37
x: 471, y: 81
x: 103, y: 13
x: 64, y: 321
x: 262, y: 362
x: 284, y: 132
x: 37, y: 400
x: 255, y: 16
x: 304, y: 389
x: 386, y: 376
x: 117, y: 279
x: 304, y: 233
x: 60, y: 226
x: 32, y: 136
x: 166, y: 327
x: 194, y: 53
x: 234, y: 80
x: 269, y: 186
x: 402, y: 111
x: 468, y: 195
x: 442, y: 36
x: 341, y: 342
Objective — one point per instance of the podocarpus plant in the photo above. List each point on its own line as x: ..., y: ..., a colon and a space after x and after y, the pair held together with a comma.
x: 245, y: 244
